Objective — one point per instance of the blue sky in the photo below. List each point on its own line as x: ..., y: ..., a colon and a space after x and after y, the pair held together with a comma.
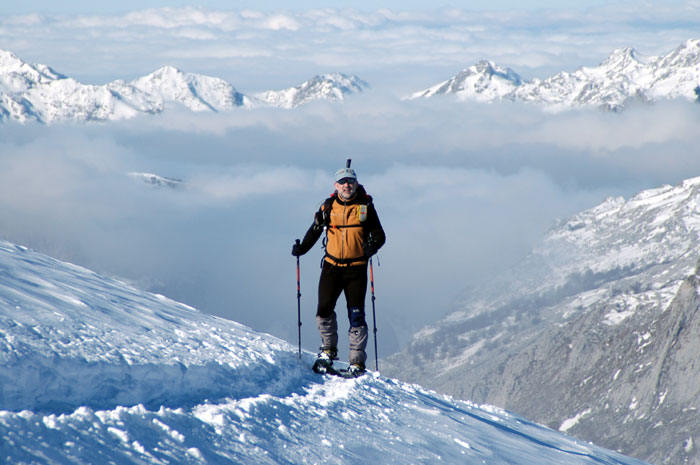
x: 91, y: 6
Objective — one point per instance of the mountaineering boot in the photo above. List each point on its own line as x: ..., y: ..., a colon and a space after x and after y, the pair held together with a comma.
x: 356, y: 370
x: 324, y: 359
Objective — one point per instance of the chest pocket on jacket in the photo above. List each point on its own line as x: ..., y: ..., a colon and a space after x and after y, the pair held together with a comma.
x: 362, y: 213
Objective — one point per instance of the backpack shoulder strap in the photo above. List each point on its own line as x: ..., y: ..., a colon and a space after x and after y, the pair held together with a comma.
x: 325, y: 209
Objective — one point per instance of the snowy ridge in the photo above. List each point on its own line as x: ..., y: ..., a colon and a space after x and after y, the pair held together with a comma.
x: 94, y: 371
x: 38, y: 93
x: 624, y: 75
x: 601, y: 304
x: 482, y: 82
x: 333, y: 87
x: 196, y: 92
x: 652, y: 238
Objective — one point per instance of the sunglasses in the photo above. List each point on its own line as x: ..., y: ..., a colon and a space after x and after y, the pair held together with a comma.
x: 346, y: 181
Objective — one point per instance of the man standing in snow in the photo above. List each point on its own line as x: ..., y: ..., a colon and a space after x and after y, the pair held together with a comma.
x: 353, y: 235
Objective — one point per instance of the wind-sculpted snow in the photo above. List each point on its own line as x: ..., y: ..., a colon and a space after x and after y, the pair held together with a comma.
x: 95, y: 371
x: 72, y: 338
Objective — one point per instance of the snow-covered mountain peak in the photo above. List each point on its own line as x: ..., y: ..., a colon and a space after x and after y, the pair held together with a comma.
x: 625, y: 74
x: 170, y: 76
x: 95, y: 371
x: 489, y: 68
x: 197, y: 92
x: 18, y: 76
x: 9, y: 61
x: 624, y: 60
x: 343, y: 82
x: 684, y: 56
x: 38, y: 93
x: 333, y: 87
x: 483, y: 81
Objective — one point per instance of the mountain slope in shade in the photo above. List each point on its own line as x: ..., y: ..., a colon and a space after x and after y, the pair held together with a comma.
x: 594, y: 333
x: 624, y: 75
x: 95, y: 371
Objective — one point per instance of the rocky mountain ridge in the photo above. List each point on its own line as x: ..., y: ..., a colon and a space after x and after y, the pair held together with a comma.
x: 594, y: 333
x: 35, y: 92
x: 625, y: 75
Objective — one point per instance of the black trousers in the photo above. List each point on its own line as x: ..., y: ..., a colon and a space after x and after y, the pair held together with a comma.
x: 352, y: 280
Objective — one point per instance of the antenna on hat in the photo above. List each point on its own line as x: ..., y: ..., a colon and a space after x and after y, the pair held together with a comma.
x: 347, y: 163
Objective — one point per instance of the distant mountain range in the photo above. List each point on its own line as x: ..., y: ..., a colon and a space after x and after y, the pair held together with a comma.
x: 35, y: 92
x: 596, y: 332
x: 624, y: 75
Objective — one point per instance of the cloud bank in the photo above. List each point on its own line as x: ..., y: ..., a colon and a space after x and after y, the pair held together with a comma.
x: 463, y: 192
x: 400, y: 50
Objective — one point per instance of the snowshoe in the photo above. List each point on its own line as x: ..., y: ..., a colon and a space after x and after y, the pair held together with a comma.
x: 355, y: 370
x: 324, y: 361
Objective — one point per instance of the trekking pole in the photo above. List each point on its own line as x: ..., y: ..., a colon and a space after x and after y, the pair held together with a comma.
x: 298, y: 302
x: 374, y: 315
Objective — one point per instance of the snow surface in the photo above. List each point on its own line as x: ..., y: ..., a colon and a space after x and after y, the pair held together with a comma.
x: 95, y: 371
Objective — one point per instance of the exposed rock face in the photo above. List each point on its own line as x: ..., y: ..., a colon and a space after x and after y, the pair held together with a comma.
x: 596, y: 333
x: 633, y: 387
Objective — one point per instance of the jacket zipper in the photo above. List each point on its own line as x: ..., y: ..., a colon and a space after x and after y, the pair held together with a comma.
x: 343, y: 230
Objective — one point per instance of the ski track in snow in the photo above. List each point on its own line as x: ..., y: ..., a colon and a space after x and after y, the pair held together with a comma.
x: 94, y: 371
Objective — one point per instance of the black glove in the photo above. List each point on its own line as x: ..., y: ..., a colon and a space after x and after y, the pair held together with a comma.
x: 369, y: 248
x: 296, y: 249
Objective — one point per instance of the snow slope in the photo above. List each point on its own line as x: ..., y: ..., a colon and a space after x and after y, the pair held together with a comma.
x: 95, y: 371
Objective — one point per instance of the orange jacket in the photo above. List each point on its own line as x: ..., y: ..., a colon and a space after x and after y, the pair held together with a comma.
x: 353, y: 230
x: 345, y: 235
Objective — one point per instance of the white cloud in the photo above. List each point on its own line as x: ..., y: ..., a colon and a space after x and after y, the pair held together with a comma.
x: 400, y: 48
x: 640, y: 126
x: 462, y: 190
x: 247, y: 181
x: 278, y: 22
